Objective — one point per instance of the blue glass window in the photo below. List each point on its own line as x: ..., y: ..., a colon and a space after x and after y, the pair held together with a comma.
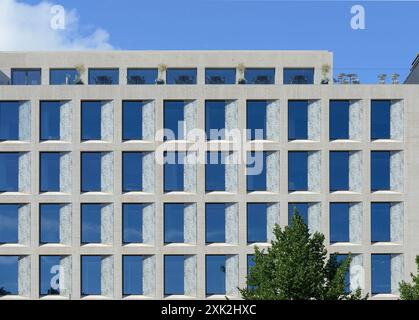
x: 9, y: 223
x: 338, y: 119
x: 174, y: 273
x: 173, y: 120
x: 104, y: 76
x: 298, y: 75
x: 298, y: 120
x: 380, y: 222
x: 340, y: 258
x: 50, y: 171
x: 91, y: 217
x: 173, y: 222
x: 132, y: 223
x: 215, y: 222
x: 215, y: 277
x: 215, y: 171
x: 9, y: 120
x: 256, y: 119
x: 380, y: 119
x: 220, y: 76
x: 9, y: 172
x: 339, y: 170
x: 380, y: 170
x: 215, y: 119
x: 302, y: 211
x: 250, y: 262
x: 91, y: 120
x: 132, y: 120
x: 297, y: 171
x: 132, y: 171
x: 339, y: 222
x: 142, y: 76
x: 26, y: 77
x: 380, y: 273
x: 181, y: 76
x: 259, y: 76
x: 91, y: 269
x: 132, y: 275
x: 49, y: 223
x: 173, y: 171
x: 50, y: 120
x: 63, y: 76
x: 91, y: 171
x: 256, y: 171
x: 256, y: 222
x: 49, y: 271
x: 9, y: 283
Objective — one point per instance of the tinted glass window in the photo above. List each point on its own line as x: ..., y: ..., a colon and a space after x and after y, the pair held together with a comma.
x: 297, y: 120
x: 380, y: 222
x: 50, y: 120
x: 132, y: 120
x: 173, y: 171
x: 142, y: 76
x: 91, y: 223
x: 215, y: 274
x: 9, y: 169
x: 63, y: 76
x: 339, y: 170
x: 339, y: 222
x: 49, y: 223
x: 220, y: 76
x: 215, y: 119
x: 256, y: 222
x: 91, y: 113
x: 298, y: 75
x: 302, y: 211
x: 174, y: 275
x: 26, y: 77
x: 181, y: 76
x: 132, y: 222
x: 215, y: 222
x: 132, y: 171
x: 103, y: 76
x: 50, y: 268
x: 174, y: 120
x: 9, y: 268
x: 50, y: 171
x: 256, y: 171
x: 380, y: 273
x: 256, y: 120
x: 215, y: 171
x: 9, y: 223
x: 380, y: 170
x: 340, y: 259
x: 380, y: 119
x: 9, y: 120
x: 91, y: 171
x: 173, y: 222
x: 339, y: 119
x: 297, y: 171
x: 91, y: 269
x: 132, y: 275
x: 259, y: 76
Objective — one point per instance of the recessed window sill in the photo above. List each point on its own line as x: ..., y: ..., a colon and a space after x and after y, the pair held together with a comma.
x: 178, y: 297
x: 136, y: 297
x: 379, y: 244
x: 336, y: 244
x: 95, y: 297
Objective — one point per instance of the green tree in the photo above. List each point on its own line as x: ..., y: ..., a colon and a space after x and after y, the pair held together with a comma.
x: 410, y: 291
x: 296, y: 267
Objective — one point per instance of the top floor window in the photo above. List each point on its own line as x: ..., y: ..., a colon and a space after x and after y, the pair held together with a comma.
x: 220, y: 76
x: 380, y: 119
x: 142, y: 76
x: 104, y: 76
x: 259, y: 76
x: 9, y: 120
x: 339, y: 119
x: 181, y: 76
x: 26, y: 77
x: 298, y: 75
x: 64, y: 77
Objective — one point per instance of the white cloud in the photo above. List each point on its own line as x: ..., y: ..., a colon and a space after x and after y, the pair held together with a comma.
x: 25, y: 27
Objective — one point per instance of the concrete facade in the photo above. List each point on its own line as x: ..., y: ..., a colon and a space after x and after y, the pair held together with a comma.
x: 403, y: 145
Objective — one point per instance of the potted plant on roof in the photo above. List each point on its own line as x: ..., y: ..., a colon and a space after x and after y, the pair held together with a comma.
x: 162, y: 69
x: 80, y: 72
x: 240, y: 69
x: 325, y: 74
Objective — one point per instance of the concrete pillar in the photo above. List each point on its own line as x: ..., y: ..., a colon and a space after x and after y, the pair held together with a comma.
x: 24, y: 276
x: 397, y: 272
x: 355, y: 171
x: 314, y: 217
x: 190, y: 271
x: 397, y: 120
x: 66, y: 113
x: 272, y: 120
x: 24, y: 227
x: 314, y: 120
x: 189, y: 172
x: 24, y: 172
x: 231, y: 172
x: 396, y: 171
x: 190, y: 117
x: 149, y: 276
x: 232, y: 223
x: 107, y: 172
x: 272, y: 219
x: 148, y: 166
x: 396, y: 222
x: 65, y: 276
x: 107, y: 272
x: 272, y: 171
x: 355, y: 120
x: 65, y: 224
x: 314, y: 171
x: 106, y: 227
x: 232, y: 275
x: 65, y: 172
x: 189, y: 223
x: 149, y: 224
x: 356, y: 273
x: 25, y: 121
x: 148, y: 121
x: 355, y: 223
x: 106, y: 125
x: 231, y: 115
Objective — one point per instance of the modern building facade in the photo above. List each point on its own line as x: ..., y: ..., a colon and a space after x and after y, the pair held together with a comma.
x: 88, y: 211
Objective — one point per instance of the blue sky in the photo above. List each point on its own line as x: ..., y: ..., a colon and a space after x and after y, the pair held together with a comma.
x: 388, y: 44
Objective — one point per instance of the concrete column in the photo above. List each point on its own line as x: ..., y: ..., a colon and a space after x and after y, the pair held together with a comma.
x: 149, y: 176
x: 355, y: 120
x: 65, y: 276
x: 396, y: 171
x: 24, y: 276
x: 65, y: 172
x: 355, y: 223
x: 314, y: 171
x: 231, y: 115
x: 106, y: 125
x: 149, y: 276
x: 314, y: 217
x: 189, y: 223
x: 107, y: 172
x: 272, y: 171
x: 190, y: 275
x: 397, y: 272
x: 272, y: 120
x: 314, y: 120
x: 232, y: 223
x: 65, y: 224
x: 356, y: 273
x: 66, y: 113
x: 106, y: 227
x: 25, y: 121
x: 355, y: 171
x: 189, y: 173
x: 232, y: 275
x: 396, y: 222
x: 231, y: 172
x: 190, y: 117
x: 272, y: 219
x: 107, y: 273
x: 396, y: 120
x: 148, y: 121
x: 24, y: 228
x: 24, y: 172
x: 149, y: 224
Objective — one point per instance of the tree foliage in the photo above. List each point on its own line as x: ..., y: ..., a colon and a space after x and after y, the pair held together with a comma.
x: 410, y: 291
